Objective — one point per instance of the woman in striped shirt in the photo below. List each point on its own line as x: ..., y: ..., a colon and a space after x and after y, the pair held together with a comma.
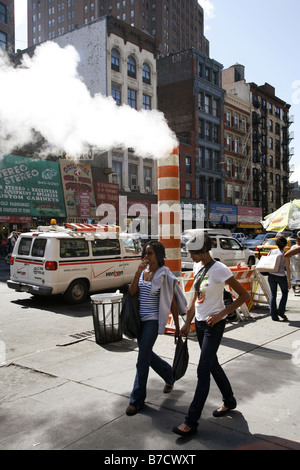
x: 159, y: 294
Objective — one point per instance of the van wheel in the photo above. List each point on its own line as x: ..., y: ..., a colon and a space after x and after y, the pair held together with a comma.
x: 76, y: 292
x: 251, y: 261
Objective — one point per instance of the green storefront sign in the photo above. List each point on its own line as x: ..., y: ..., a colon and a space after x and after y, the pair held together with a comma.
x: 30, y: 187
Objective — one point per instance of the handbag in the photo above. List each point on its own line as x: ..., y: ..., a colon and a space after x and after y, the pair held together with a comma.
x: 269, y: 264
x: 181, y: 359
x: 130, y: 316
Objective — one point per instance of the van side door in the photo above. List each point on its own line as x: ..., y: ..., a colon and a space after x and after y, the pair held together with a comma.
x: 107, y: 264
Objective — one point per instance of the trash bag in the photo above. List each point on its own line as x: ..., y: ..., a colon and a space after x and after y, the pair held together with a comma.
x: 130, y: 316
x: 181, y: 359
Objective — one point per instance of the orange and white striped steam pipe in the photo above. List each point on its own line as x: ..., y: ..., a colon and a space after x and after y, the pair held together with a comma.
x: 169, y: 213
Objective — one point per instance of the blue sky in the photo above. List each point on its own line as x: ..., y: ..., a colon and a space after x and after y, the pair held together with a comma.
x: 263, y: 35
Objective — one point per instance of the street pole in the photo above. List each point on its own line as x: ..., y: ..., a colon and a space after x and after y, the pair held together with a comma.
x: 169, y: 211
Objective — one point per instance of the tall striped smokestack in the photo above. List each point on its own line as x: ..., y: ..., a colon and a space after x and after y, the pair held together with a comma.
x: 169, y: 214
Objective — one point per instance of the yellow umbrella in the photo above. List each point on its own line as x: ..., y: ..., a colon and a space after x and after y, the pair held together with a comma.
x: 287, y: 217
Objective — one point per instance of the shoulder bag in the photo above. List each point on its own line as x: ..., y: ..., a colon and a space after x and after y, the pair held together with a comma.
x: 269, y: 264
x: 130, y: 316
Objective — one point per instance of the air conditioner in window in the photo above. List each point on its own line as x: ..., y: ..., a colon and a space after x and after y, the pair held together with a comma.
x: 148, y: 190
x: 135, y: 188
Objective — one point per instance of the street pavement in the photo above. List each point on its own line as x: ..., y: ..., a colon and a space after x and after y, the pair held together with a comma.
x: 66, y: 392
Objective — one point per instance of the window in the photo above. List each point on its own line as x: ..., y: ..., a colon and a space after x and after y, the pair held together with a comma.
x: 214, y: 107
x: 146, y: 102
x: 3, y: 13
x: 118, y: 170
x: 188, y: 190
x: 207, y: 104
x: 132, y: 246
x: 228, y: 142
x: 39, y: 246
x: 73, y: 248
x: 132, y: 175
x: 3, y: 41
x: 115, y: 60
x: 106, y: 247
x: 24, y: 246
x: 188, y: 165
x: 116, y: 93
x: 131, y: 67
x: 146, y: 75
x: 148, y: 178
x: 131, y: 94
x: 270, y: 142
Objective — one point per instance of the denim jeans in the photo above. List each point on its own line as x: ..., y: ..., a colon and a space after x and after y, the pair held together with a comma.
x: 146, y: 359
x: 209, y: 339
x: 282, y: 282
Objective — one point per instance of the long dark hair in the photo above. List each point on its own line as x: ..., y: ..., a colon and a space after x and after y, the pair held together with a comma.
x: 158, y: 249
x: 281, y: 242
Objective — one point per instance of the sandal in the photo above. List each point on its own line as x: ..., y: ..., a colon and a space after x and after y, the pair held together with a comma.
x: 183, y: 433
x: 223, y: 411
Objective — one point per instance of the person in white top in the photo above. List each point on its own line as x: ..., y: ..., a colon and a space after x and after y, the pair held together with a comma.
x: 281, y: 278
x: 209, y: 308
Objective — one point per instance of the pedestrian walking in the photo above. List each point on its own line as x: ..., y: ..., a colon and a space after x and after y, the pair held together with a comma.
x: 209, y: 308
x: 281, y: 278
x: 159, y: 293
x: 295, y: 250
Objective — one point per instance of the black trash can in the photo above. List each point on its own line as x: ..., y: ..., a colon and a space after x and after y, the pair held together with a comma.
x: 107, y: 317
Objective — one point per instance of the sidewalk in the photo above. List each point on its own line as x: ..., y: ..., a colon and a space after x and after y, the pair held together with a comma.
x: 74, y: 395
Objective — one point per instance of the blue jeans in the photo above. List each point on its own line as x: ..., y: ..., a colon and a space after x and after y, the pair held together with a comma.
x: 146, y: 359
x: 282, y: 282
x: 209, y: 339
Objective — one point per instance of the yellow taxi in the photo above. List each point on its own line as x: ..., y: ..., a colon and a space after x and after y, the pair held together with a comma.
x: 268, y: 245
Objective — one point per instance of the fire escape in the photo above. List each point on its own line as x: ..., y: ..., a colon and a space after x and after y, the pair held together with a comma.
x: 287, y: 154
x: 260, y: 160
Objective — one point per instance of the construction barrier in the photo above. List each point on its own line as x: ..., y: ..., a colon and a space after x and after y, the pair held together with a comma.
x: 252, y: 280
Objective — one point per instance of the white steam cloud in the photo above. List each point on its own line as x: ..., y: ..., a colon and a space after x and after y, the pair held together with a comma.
x: 46, y: 95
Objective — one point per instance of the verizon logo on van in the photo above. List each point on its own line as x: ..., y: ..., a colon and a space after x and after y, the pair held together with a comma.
x: 115, y: 273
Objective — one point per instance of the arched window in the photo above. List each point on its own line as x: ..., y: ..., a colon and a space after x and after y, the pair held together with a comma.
x: 146, y: 74
x: 115, y: 60
x: 131, y: 67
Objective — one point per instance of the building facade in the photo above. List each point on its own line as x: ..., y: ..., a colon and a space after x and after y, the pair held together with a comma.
x: 191, y: 97
x: 7, y: 26
x: 271, y: 139
x: 118, y: 61
x: 237, y: 151
x: 175, y: 25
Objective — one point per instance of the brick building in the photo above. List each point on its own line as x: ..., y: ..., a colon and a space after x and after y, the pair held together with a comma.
x: 271, y: 139
x: 175, y: 25
x: 191, y: 97
x: 7, y: 26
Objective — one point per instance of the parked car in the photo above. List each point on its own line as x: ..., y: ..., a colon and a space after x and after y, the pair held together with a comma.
x: 225, y: 249
x: 268, y: 245
x: 258, y: 240
x: 241, y: 237
x: 50, y: 261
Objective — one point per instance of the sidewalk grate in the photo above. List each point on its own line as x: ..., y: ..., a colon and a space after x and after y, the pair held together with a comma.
x: 83, y: 334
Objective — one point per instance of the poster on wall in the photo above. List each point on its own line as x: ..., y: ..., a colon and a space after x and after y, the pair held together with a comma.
x: 30, y: 187
x: 78, y: 190
x: 107, y: 194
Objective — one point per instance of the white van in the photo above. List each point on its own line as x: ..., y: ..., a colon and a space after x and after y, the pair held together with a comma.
x: 57, y: 260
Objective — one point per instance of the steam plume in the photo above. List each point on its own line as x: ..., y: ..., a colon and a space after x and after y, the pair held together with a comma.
x: 46, y: 95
